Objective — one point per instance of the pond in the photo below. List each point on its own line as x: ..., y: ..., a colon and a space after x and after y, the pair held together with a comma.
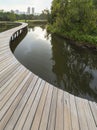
x: 57, y: 61
x: 7, y: 25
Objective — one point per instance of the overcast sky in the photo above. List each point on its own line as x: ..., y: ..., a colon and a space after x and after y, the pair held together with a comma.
x: 22, y: 5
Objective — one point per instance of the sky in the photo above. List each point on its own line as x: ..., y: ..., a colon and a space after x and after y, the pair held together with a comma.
x: 22, y: 5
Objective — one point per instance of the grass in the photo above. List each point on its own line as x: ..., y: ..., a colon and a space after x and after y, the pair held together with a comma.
x: 32, y: 21
x: 20, y: 20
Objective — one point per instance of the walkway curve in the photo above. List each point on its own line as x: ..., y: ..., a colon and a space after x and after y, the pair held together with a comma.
x: 27, y: 102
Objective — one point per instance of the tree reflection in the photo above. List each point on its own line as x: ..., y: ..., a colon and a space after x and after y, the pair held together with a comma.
x: 73, y: 68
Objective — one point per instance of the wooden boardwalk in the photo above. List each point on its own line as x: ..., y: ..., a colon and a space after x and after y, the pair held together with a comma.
x: 27, y: 102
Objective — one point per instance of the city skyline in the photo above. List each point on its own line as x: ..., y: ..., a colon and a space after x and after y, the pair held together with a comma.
x: 23, y: 4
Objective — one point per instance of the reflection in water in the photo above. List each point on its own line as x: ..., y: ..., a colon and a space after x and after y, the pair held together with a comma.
x: 76, y: 70
x: 55, y: 60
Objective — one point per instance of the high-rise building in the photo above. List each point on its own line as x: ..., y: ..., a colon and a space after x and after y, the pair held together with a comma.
x: 32, y: 10
x: 28, y: 11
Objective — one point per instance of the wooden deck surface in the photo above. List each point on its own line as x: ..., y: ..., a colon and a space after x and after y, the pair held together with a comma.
x: 27, y: 102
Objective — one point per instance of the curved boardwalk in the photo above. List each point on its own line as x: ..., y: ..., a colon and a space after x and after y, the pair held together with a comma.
x: 29, y: 103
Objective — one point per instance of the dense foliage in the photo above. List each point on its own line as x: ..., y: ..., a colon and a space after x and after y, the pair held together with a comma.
x: 7, y: 16
x: 76, y: 19
x: 11, y: 16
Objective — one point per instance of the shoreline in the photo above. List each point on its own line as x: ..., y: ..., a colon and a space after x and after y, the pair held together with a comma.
x: 77, y: 43
x: 81, y: 44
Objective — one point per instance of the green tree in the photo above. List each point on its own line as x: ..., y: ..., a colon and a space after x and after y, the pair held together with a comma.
x: 74, y: 15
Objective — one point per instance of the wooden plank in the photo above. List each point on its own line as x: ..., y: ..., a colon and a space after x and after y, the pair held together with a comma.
x: 44, y: 120
x: 38, y: 115
x: 81, y: 114
x: 4, y: 51
x: 4, y: 45
x: 74, y: 114
x: 5, y: 56
x: 52, y: 115
x: 14, y: 95
x: 4, y: 48
x: 67, y: 112
x: 3, y: 38
x: 14, y: 102
x: 6, y: 63
x: 30, y: 117
x: 7, y: 70
x: 25, y: 112
x: 5, y: 88
x: 59, y: 112
x: 93, y: 107
x: 13, y: 89
x: 89, y: 117
x: 6, y: 77
x: 10, y: 125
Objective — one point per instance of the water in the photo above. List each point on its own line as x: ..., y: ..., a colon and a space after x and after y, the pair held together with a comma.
x: 7, y: 25
x: 57, y: 61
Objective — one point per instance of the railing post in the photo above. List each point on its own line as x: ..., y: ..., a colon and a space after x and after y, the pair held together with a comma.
x: 18, y: 32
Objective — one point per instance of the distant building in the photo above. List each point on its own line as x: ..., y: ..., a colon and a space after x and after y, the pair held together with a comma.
x: 28, y: 11
x: 33, y: 10
x: 17, y: 12
x: 22, y: 12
